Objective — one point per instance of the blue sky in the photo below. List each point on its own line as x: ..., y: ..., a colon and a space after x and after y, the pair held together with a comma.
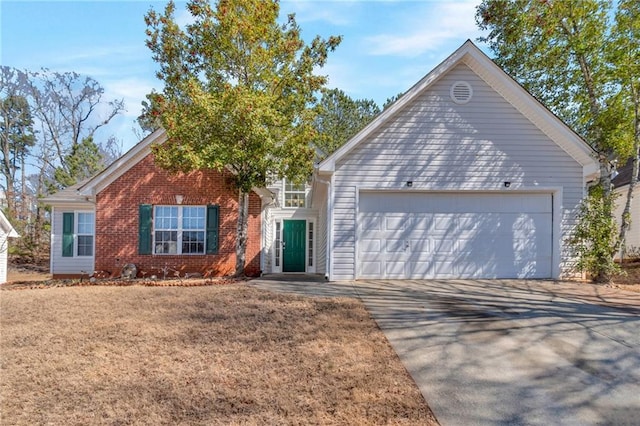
x: 387, y: 45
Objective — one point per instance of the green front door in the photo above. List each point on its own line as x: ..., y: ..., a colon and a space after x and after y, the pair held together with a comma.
x: 293, y: 247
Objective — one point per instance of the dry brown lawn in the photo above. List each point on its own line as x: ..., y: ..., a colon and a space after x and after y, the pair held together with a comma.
x: 207, y: 355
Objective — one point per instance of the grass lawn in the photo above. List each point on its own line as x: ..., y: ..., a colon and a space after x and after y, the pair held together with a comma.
x: 209, y: 355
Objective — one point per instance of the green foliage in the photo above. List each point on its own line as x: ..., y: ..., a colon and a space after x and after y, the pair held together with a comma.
x: 339, y: 118
x: 147, y: 121
x: 16, y: 136
x: 555, y: 49
x: 580, y: 58
x: 595, y: 235
x: 390, y: 101
x: 82, y: 162
x: 16, y: 127
x: 238, y: 90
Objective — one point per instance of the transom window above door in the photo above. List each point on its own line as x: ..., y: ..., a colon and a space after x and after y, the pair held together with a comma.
x: 295, y: 195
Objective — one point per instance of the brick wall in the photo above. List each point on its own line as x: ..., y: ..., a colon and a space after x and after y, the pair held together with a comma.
x: 117, y: 220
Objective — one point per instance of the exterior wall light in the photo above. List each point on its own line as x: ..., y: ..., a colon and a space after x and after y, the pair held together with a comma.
x: 409, y: 183
x: 507, y: 184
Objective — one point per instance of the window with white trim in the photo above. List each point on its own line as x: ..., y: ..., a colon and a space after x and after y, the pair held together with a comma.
x: 277, y: 244
x: 295, y: 194
x: 78, y: 234
x: 84, y: 234
x: 310, y: 242
x: 179, y: 229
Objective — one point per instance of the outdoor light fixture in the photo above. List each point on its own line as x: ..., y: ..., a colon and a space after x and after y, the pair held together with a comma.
x: 507, y: 184
x: 409, y: 183
x: 179, y: 199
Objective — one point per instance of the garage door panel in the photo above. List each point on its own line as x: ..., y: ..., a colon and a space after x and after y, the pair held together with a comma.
x: 444, y: 245
x: 371, y: 223
x: 420, y: 246
x: 395, y: 223
x: 455, y: 235
x: 395, y: 269
x: 371, y: 269
x: 395, y: 246
x: 371, y: 245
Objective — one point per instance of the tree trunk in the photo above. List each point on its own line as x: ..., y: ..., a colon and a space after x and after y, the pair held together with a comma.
x: 241, y: 236
x: 626, y: 214
x: 23, y: 189
x: 625, y: 222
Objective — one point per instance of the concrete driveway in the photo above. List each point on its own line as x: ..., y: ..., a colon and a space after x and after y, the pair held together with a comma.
x: 509, y: 352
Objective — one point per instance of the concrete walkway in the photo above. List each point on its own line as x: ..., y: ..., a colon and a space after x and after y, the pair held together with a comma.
x: 507, y: 352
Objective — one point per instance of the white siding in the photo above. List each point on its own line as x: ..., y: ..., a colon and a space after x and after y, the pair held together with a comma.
x: 633, y: 234
x: 320, y: 200
x: 440, y: 145
x: 67, y: 265
x: 273, y: 214
x: 4, y: 249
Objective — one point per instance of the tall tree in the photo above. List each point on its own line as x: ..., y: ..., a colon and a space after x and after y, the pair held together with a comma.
x: 69, y: 108
x: 624, y: 111
x: 339, y: 118
x: 84, y: 161
x: 16, y: 135
x: 557, y: 50
x: 16, y: 138
x: 57, y: 112
x: 238, y: 87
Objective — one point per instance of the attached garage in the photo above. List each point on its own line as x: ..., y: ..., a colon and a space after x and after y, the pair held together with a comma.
x: 454, y: 235
x: 464, y: 176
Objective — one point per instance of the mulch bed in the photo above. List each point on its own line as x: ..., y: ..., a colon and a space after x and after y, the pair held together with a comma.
x: 120, y: 282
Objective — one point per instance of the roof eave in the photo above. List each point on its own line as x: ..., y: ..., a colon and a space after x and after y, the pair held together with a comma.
x: 500, y: 81
x: 122, y: 164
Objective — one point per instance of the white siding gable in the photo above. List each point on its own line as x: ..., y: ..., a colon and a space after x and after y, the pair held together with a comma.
x: 441, y: 145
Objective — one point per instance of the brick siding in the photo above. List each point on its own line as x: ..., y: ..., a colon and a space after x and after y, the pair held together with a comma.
x: 145, y: 183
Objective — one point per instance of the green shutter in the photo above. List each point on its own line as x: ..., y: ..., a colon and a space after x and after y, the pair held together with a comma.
x: 144, y: 228
x: 212, y: 229
x: 67, y: 234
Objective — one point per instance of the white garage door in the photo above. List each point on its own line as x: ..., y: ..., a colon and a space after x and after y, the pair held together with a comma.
x: 455, y: 235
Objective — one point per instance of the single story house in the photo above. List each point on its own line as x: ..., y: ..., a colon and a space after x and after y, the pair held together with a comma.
x: 621, y: 189
x: 6, y: 231
x: 465, y: 176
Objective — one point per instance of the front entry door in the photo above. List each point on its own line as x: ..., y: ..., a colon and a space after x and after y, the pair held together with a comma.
x: 293, y: 245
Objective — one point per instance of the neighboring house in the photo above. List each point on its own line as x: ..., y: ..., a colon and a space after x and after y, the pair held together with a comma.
x: 6, y: 231
x: 621, y: 188
x: 465, y: 176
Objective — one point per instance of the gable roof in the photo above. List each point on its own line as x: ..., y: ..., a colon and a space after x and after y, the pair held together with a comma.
x: 6, y: 226
x: 122, y: 164
x: 501, y: 82
x: 624, y: 175
x: 83, y: 192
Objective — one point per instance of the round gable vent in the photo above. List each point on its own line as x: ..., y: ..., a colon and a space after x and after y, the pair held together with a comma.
x: 461, y: 92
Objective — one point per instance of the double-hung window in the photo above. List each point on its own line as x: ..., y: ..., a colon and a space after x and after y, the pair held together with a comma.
x: 85, y: 234
x: 77, y: 234
x: 179, y: 229
x: 294, y: 194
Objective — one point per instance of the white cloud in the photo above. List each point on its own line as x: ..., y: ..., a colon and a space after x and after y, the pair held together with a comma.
x: 429, y: 29
x: 132, y: 90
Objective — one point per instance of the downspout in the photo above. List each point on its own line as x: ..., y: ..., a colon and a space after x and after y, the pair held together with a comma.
x: 328, y: 260
x: 263, y: 220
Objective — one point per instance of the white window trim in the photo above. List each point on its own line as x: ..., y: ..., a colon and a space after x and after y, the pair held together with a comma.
x: 278, y: 250
x: 179, y: 231
x: 284, y: 196
x: 76, y: 233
